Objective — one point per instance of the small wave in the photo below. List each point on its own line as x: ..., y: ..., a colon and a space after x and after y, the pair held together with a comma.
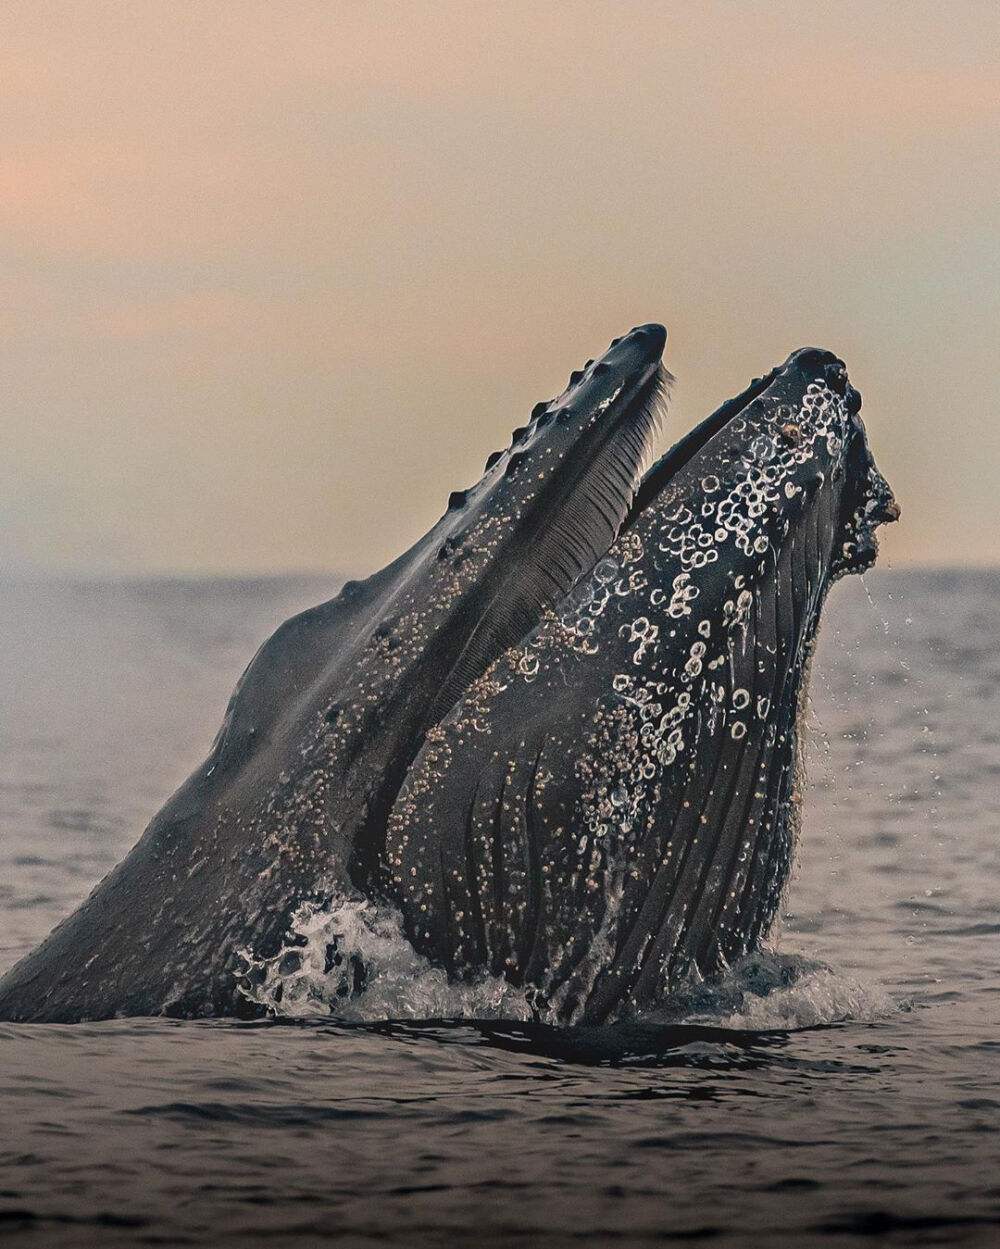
x: 349, y: 960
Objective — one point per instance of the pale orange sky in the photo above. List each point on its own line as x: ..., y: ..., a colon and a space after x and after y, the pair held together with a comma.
x: 276, y: 277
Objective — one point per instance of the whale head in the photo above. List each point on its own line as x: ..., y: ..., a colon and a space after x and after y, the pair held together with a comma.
x: 611, y: 808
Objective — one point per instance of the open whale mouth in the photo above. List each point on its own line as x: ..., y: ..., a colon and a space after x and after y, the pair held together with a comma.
x: 508, y: 548
x: 602, y: 800
x: 612, y: 808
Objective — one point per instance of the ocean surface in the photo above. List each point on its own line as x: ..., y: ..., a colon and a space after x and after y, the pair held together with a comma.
x: 843, y: 1087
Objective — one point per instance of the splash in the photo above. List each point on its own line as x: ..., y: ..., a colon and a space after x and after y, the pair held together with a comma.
x: 768, y: 992
x: 349, y: 959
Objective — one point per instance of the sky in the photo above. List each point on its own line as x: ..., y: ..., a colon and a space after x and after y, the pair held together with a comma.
x: 276, y: 277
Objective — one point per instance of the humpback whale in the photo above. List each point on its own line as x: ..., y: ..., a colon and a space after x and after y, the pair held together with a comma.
x: 560, y: 734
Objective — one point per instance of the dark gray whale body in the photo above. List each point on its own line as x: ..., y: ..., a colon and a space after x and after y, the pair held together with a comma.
x: 559, y: 733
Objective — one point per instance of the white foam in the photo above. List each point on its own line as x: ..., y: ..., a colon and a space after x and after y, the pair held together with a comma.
x: 349, y: 958
x: 770, y: 992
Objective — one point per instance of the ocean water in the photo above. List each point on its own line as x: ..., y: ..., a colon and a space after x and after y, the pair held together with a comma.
x: 842, y: 1087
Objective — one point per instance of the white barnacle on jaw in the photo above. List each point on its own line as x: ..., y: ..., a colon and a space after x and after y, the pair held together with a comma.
x: 642, y: 631
x: 683, y: 593
x: 630, y: 548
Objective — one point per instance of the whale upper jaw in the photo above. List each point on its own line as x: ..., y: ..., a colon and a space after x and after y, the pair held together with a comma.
x: 546, y: 507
